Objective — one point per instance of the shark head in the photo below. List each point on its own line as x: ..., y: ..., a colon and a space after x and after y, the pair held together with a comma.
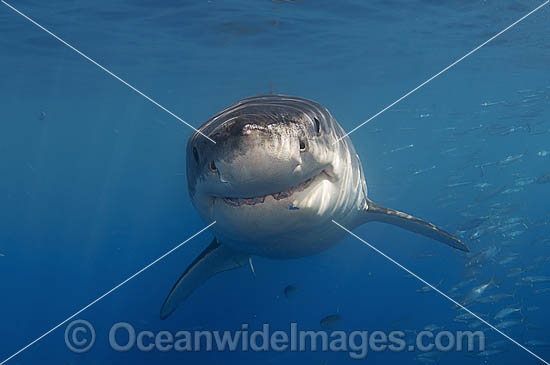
x: 272, y: 171
x: 278, y: 178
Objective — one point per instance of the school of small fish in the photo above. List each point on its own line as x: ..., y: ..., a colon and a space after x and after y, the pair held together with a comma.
x: 506, y: 276
x: 497, y: 189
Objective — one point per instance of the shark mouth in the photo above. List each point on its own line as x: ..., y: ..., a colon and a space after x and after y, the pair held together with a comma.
x: 237, y: 202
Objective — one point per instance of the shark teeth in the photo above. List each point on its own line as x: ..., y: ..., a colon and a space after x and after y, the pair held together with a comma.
x: 237, y: 202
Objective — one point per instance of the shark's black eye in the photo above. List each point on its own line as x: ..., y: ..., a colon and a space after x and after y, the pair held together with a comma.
x: 212, y: 166
x: 303, y: 144
x: 196, y: 154
x: 317, y: 126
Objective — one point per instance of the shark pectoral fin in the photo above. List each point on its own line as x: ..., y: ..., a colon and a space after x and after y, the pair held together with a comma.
x: 214, y: 259
x: 380, y: 214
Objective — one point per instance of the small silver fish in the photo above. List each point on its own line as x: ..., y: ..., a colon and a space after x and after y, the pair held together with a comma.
x: 510, y: 159
x: 432, y: 327
x: 538, y: 343
x: 507, y: 324
x: 488, y: 353
x: 402, y: 148
x: 494, y: 298
x: 475, y: 294
x: 427, y: 288
x: 459, y: 184
x: 506, y: 312
x: 417, y: 172
x: 291, y: 290
x: 536, y: 279
x: 508, y: 259
x: 330, y: 321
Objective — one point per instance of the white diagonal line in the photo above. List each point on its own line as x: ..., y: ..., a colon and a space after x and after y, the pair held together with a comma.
x: 445, y: 69
x: 107, y: 293
x: 440, y: 292
x: 107, y: 71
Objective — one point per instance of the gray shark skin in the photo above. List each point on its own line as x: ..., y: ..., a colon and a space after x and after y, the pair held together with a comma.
x: 281, y: 170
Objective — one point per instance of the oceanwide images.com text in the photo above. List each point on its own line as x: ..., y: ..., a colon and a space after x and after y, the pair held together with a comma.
x: 80, y: 337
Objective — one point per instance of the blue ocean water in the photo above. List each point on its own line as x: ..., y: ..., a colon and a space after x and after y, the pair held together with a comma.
x: 93, y: 184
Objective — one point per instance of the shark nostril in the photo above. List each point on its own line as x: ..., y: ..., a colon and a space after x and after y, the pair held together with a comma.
x: 303, y: 144
x: 196, y: 154
x: 213, y: 166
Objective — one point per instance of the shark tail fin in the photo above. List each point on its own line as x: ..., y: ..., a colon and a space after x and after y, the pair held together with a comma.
x: 214, y: 259
x: 378, y: 213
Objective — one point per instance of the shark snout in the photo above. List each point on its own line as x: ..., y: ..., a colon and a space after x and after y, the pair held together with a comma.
x: 255, y: 153
x: 246, y: 164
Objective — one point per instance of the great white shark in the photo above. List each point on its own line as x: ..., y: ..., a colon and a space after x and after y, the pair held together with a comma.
x: 281, y: 170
